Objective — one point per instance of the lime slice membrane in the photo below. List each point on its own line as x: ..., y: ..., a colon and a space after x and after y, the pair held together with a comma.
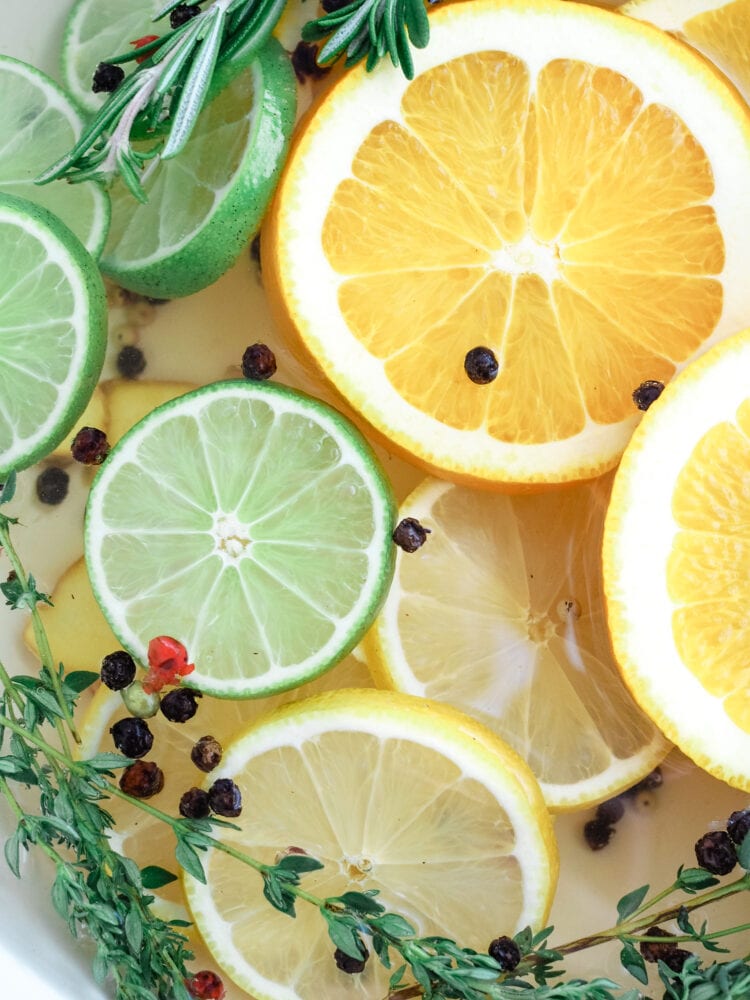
x: 250, y: 522
x: 53, y: 331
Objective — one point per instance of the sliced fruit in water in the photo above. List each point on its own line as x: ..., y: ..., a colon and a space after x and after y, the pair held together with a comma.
x: 390, y: 793
x: 676, y: 551
x: 250, y: 522
x: 53, y: 331
x: 38, y: 125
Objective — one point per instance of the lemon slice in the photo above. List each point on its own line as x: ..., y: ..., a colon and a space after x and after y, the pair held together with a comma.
x: 676, y: 549
x: 501, y: 614
x: 248, y: 521
x: 53, y: 331
x: 558, y: 184
x: 39, y: 124
x: 717, y: 28
x: 389, y: 793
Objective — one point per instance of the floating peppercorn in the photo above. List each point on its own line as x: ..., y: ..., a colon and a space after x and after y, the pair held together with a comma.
x: 647, y: 393
x: 183, y: 13
x: 305, y: 62
x: 107, y: 77
x: 410, y: 535
x: 346, y: 963
x: 329, y: 6
x: 90, y: 446
x: 139, y: 702
x: 117, y: 670
x: 657, y: 951
x: 597, y: 833
x: 225, y: 798
x: 180, y: 705
x: 611, y: 811
x: 131, y: 362
x: 716, y: 853
x: 481, y: 365
x: 168, y: 662
x: 142, y: 779
x: 138, y: 43
x: 506, y: 952
x: 258, y: 362
x: 52, y: 485
x: 132, y: 737
x: 255, y: 251
x: 194, y: 804
x: 206, y: 753
x: 205, y: 985
x: 738, y: 825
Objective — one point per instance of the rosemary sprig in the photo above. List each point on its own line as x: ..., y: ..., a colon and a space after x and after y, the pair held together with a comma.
x: 368, y: 29
x: 158, y: 104
x: 98, y: 890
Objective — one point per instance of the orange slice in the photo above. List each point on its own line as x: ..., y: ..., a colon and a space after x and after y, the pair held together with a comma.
x: 559, y: 183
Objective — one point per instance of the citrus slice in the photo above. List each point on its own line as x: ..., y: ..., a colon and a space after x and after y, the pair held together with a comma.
x: 204, y: 204
x: 390, y: 793
x: 53, y: 331
x: 142, y: 837
x: 248, y: 521
x: 717, y: 28
x: 560, y: 185
x: 501, y: 615
x: 38, y: 125
x: 676, y: 543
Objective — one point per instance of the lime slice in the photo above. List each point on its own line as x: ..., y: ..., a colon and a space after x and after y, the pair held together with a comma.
x: 248, y: 521
x: 53, y: 331
x: 95, y: 31
x: 204, y: 204
x: 393, y: 794
x: 37, y: 127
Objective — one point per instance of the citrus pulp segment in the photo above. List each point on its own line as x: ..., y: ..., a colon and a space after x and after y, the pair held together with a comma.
x: 558, y: 183
x: 204, y: 204
x: 248, y: 521
x: 39, y: 124
x: 717, y: 28
x: 501, y: 614
x: 676, y: 544
x: 143, y: 837
x: 53, y: 331
x: 389, y: 793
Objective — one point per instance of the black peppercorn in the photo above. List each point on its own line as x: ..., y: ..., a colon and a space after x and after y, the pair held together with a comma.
x: 715, y: 852
x: 597, y: 834
x: 647, y: 393
x: 224, y: 798
x: 52, y: 485
x: 655, y: 951
x: 180, y: 705
x: 258, y: 362
x: 132, y: 737
x: 348, y: 964
x: 410, y: 535
x: 194, y: 804
x: 738, y: 825
x: 142, y: 779
x: 107, y: 77
x: 611, y: 811
x: 182, y: 13
x: 506, y: 952
x: 90, y: 446
x: 118, y: 670
x: 481, y: 365
x: 255, y: 251
x: 207, y: 753
x: 329, y: 6
x: 305, y: 62
x: 131, y: 362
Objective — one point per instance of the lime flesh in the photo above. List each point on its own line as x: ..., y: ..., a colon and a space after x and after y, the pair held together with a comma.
x: 251, y: 523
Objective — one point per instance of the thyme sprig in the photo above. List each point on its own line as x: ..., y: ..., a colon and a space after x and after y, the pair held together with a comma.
x: 368, y: 29
x: 160, y: 101
x: 105, y: 897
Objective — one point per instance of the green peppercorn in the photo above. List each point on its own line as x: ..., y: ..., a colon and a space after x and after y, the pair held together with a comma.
x: 141, y: 703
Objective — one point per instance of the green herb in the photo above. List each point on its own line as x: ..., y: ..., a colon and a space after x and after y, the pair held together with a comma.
x: 159, y: 102
x: 368, y: 29
x: 99, y: 890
